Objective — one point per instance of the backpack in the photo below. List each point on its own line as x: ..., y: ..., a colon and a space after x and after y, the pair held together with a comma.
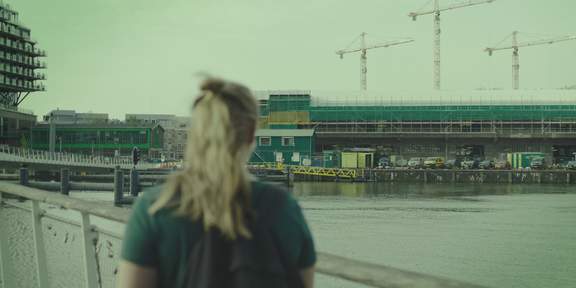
x: 216, y: 262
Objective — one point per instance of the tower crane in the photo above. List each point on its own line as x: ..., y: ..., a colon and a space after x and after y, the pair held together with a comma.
x: 363, y: 59
x: 515, y: 55
x: 436, y: 11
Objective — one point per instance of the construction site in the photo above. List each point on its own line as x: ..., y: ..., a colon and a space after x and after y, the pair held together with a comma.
x: 472, y: 125
x: 476, y: 125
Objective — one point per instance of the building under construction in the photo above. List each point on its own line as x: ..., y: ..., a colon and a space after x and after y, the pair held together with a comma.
x: 473, y: 124
x: 19, y: 76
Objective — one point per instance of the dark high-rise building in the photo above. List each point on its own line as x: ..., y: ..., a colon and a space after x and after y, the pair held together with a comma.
x: 19, y: 59
x: 19, y: 76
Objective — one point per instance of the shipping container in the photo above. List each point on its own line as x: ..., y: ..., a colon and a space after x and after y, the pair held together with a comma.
x: 520, y: 160
x: 357, y: 159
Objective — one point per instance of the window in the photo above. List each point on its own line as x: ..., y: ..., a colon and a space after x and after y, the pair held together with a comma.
x: 265, y: 141
x: 287, y: 141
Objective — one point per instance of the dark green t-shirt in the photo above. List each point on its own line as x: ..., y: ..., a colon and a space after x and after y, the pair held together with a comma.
x: 164, y: 241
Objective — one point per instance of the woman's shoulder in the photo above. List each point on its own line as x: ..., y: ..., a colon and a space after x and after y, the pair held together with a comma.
x: 266, y: 194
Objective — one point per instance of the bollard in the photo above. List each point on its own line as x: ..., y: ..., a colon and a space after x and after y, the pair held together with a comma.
x: 24, y: 176
x: 65, y: 181
x: 118, y: 186
x: 134, y: 182
x: 290, y: 178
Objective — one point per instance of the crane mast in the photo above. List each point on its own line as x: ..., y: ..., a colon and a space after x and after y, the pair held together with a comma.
x: 363, y: 55
x: 437, y: 31
x: 437, y: 68
x: 515, y: 62
x: 363, y: 63
x: 515, y: 47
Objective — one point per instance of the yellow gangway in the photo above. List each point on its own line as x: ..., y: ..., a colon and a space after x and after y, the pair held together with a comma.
x: 322, y: 171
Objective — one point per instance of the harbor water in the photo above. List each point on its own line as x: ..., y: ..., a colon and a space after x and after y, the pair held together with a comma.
x: 496, y: 235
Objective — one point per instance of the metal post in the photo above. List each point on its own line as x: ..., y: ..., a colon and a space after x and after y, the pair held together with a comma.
x: 65, y: 181
x: 118, y: 186
x: 437, y: 67
x: 134, y: 182
x: 24, y: 176
x: 4, y: 252
x: 89, y: 239
x: 39, y: 245
x: 52, y: 134
x: 289, y: 177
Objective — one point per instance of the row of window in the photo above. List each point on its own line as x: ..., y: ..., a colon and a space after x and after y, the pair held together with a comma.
x: 17, y: 44
x: 23, y: 59
x: 14, y: 30
x: 96, y: 137
x: 267, y: 141
x: 15, y: 69
x: 7, y: 14
x: 17, y: 82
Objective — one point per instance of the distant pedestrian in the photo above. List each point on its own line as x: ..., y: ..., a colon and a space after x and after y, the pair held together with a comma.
x: 212, y: 224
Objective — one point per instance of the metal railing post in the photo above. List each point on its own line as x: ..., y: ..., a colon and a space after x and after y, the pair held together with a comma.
x: 39, y: 245
x: 89, y: 239
x: 65, y: 181
x: 134, y: 182
x: 4, y: 252
x: 24, y: 176
x: 118, y: 186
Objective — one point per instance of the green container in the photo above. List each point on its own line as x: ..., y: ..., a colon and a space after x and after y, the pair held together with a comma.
x: 519, y: 160
x: 331, y: 159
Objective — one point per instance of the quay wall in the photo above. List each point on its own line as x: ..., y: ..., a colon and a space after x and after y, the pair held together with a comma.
x: 455, y: 176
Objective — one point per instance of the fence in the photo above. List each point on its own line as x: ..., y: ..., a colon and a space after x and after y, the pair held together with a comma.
x: 22, y: 155
x: 90, y: 235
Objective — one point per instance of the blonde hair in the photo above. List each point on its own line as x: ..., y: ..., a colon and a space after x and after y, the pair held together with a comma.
x: 214, y: 185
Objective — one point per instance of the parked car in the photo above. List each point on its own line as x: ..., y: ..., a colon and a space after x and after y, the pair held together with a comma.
x: 486, y: 164
x: 401, y: 163
x: 434, y: 162
x: 470, y: 164
x: 415, y: 162
x: 501, y: 164
x: 452, y: 163
x: 384, y: 162
x: 537, y: 163
x: 571, y: 165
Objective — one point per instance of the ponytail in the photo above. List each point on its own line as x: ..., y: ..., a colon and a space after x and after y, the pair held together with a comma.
x: 214, y: 186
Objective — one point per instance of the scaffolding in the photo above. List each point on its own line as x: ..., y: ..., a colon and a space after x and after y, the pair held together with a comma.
x: 536, y: 112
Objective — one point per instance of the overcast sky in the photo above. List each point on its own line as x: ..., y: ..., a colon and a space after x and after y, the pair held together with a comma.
x: 141, y: 56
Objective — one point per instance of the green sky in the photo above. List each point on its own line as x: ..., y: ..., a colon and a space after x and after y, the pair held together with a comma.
x: 141, y: 56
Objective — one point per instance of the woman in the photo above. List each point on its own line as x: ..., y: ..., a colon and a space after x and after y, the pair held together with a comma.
x: 214, y: 191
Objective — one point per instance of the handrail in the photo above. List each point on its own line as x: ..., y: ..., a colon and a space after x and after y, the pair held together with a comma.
x: 373, y: 275
x: 17, y: 154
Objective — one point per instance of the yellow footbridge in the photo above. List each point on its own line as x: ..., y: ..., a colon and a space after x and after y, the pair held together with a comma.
x: 309, y: 170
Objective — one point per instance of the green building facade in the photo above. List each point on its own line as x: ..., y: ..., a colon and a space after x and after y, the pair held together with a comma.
x: 101, y: 139
x: 288, y: 146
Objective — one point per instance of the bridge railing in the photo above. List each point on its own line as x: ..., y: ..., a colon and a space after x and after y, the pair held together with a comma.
x: 35, y: 202
x: 62, y: 158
